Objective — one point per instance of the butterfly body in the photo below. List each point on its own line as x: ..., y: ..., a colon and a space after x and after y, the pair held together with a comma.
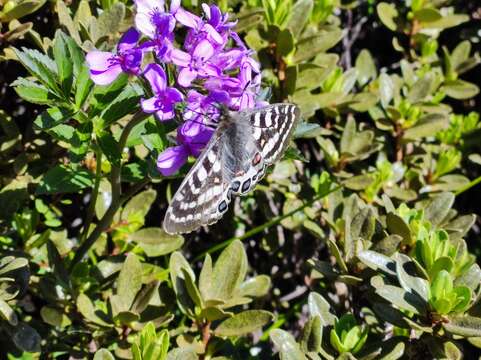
x: 233, y: 161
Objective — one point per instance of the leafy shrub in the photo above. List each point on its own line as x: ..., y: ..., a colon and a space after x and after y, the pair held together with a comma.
x: 355, y: 246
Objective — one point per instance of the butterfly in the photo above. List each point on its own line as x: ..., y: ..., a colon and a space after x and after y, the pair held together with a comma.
x: 243, y: 145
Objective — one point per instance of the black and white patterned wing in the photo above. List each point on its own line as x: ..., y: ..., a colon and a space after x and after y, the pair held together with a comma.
x: 201, y: 189
x: 227, y: 166
x: 273, y: 127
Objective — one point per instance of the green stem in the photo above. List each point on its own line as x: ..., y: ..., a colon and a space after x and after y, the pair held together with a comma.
x: 95, y: 193
x: 266, y: 225
x: 468, y: 186
x: 115, y: 180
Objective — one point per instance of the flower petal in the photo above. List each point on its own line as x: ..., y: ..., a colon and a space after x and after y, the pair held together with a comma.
x: 213, y: 35
x: 174, y: 6
x: 187, y: 19
x: 99, y: 60
x: 173, y: 95
x: 171, y: 160
x: 106, y: 77
x: 204, y: 50
x: 150, y: 105
x: 186, y: 76
x: 143, y: 23
x: 164, y: 115
x: 180, y: 58
x: 128, y: 40
x: 155, y: 75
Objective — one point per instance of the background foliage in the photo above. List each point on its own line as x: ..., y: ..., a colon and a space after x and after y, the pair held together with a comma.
x: 362, y: 243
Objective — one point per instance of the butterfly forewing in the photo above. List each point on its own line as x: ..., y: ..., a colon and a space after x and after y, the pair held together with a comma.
x: 272, y: 128
x: 232, y: 163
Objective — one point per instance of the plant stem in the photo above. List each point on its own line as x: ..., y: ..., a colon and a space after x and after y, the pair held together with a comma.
x: 115, y: 180
x: 468, y: 186
x: 95, y: 193
x: 266, y: 225
x: 205, y: 331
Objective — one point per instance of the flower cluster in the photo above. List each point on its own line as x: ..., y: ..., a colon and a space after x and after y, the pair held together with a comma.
x: 212, y: 67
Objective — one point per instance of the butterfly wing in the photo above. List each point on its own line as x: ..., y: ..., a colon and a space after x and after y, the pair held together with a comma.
x: 197, y: 191
x: 224, y: 168
x: 273, y: 127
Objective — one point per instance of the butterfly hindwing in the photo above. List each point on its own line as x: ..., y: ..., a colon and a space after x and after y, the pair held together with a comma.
x: 273, y: 127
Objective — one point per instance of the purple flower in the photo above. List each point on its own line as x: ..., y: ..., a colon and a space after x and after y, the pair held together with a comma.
x: 152, y: 19
x: 172, y: 159
x: 199, y: 30
x: 105, y: 66
x: 192, y: 137
x: 216, y: 19
x: 195, y: 65
x: 164, y: 99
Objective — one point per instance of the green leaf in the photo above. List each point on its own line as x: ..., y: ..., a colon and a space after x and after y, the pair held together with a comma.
x: 61, y: 179
x: 285, y: 43
x: 470, y: 278
x: 388, y: 15
x: 398, y: 296
x: 140, y: 204
x: 229, y: 271
x: 63, y: 61
x: 129, y: 282
x: 205, y: 278
x: 33, y: 92
x: 447, y: 21
x: 156, y: 242
x: 428, y: 125
x: 396, y: 225
x: 66, y: 20
x: 460, y: 89
x: 438, y: 208
x: 88, y: 311
x: 110, y: 147
x: 83, y: 86
x: 318, y: 306
x: 21, y: 9
x: 366, y: 67
x: 103, y: 354
x: 389, y: 245
x: 286, y: 344
x: 441, y: 263
x: 427, y: 15
x: 255, y: 287
x: 40, y: 66
x: 377, y: 261
x: 363, y: 225
x: 386, y: 89
x: 176, y: 266
x: 54, y: 317
x: 182, y: 354
x: 467, y: 326
x: 311, y: 339
x: 460, y: 54
x: 243, y: 323
x: 299, y: 16
x: 408, y: 277
x: 311, y: 46
x: 125, y: 103
x: 421, y: 89
x: 110, y: 20
x: 7, y: 313
x: 53, y: 116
